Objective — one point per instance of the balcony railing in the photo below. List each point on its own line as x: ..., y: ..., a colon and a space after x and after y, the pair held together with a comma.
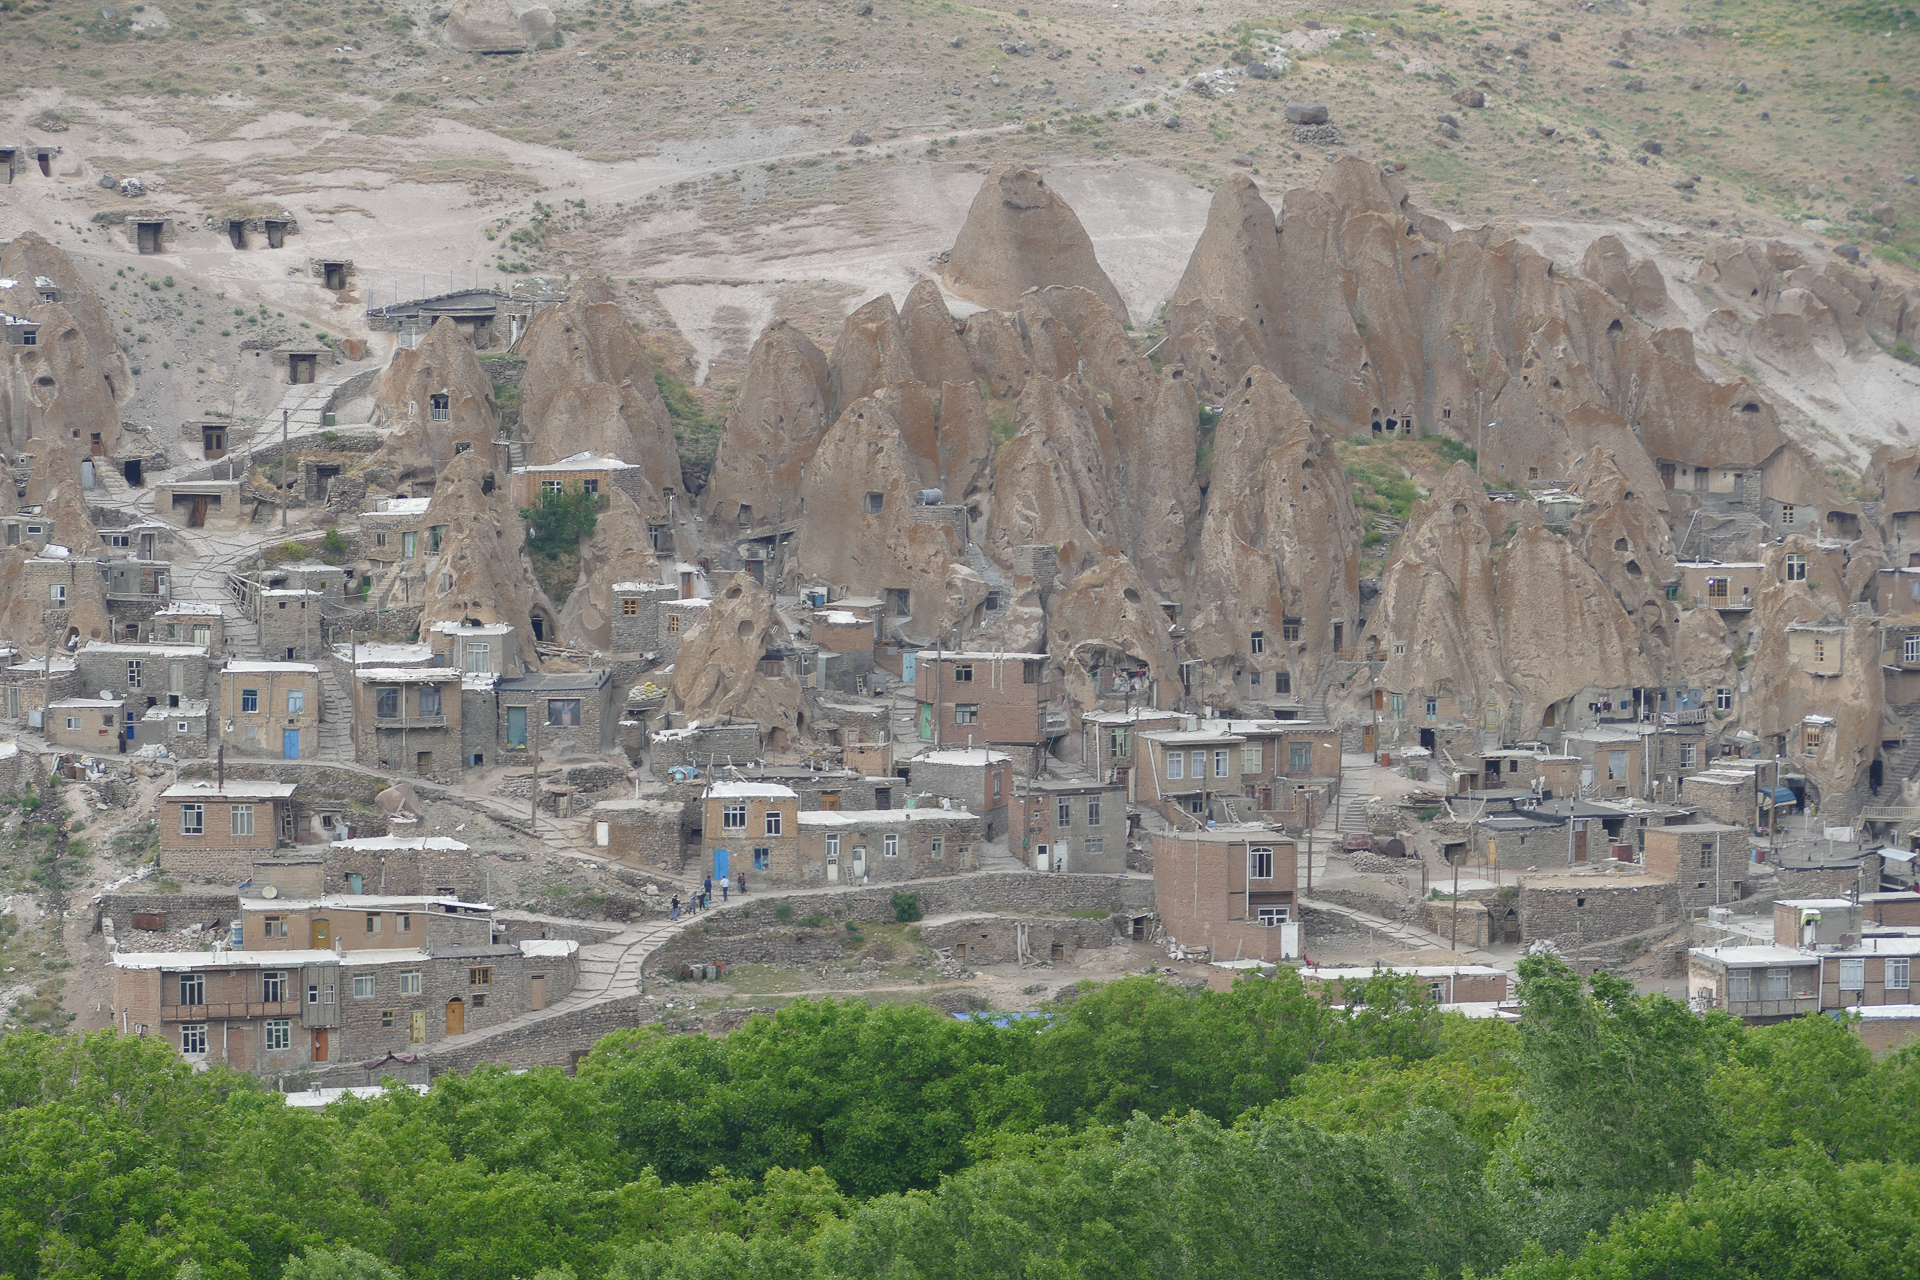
x: 409, y: 720
x: 233, y: 1009
x: 1789, y: 1008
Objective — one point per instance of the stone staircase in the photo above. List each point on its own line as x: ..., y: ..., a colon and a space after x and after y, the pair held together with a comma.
x: 1353, y: 814
x: 1904, y: 763
x: 336, y: 719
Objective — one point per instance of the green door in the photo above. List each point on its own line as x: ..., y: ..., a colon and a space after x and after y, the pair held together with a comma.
x: 926, y: 721
x: 516, y: 726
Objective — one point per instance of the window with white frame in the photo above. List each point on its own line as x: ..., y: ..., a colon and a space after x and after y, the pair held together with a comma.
x: 1723, y: 699
x: 1910, y: 649
x: 1259, y: 864
x: 1271, y: 917
x: 59, y: 595
x: 279, y: 1033
x: 890, y: 845
x: 1739, y: 985
x: 773, y: 822
x: 241, y: 819
x: 966, y: 713
x: 1796, y: 567
x: 193, y: 1038
x: 1063, y: 812
x: 1096, y: 844
x: 193, y: 819
x: 363, y: 986
x: 733, y: 816
x: 296, y: 701
x: 1176, y: 764
x: 833, y: 847
x: 939, y: 849
x: 479, y: 655
x: 273, y: 987
x: 1221, y: 760
x: 193, y: 988
x: 1093, y: 811
x: 1853, y: 975
x: 1899, y: 969
x: 410, y: 982
x: 1258, y: 642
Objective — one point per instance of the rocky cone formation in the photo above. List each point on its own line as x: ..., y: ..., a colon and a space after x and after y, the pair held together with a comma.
x: 717, y: 675
x: 772, y: 429
x: 68, y: 386
x: 589, y: 386
x: 1020, y: 234
x: 480, y: 573
x: 423, y: 444
x: 620, y: 550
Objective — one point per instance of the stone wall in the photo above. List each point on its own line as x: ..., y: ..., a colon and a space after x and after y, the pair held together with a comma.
x: 995, y: 939
x: 1011, y: 892
x: 1572, y: 914
x: 651, y: 835
x: 214, y: 910
x: 713, y: 745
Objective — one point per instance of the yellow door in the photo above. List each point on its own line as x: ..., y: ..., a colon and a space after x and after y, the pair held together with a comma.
x: 417, y: 1033
x: 319, y: 935
x: 456, y: 1016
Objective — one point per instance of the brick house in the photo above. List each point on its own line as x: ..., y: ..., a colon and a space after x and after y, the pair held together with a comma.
x: 1756, y: 983
x: 1003, y: 699
x: 1709, y: 861
x: 752, y: 827
x: 1184, y: 772
x: 408, y: 719
x: 1065, y: 825
x: 977, y: 778
x: 271, y: 709
x: 213, y: 832
x: 588, y: 471
x: 1228, y: 892
x: 1107, y: 739
x: 883, y: 845
x: 87, y: 724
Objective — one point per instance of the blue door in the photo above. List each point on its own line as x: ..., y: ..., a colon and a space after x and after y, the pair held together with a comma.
x: 907, y: 657
x: 290, y: 745
x: 719, y: 864
x: 133, y: 726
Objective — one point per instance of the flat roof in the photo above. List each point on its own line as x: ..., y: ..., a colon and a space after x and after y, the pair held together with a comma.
x: 583, y: 461
x: 235, y: 789
x: 881, y: 817
x: 1181, y: 737
x: 471, y: 629
x: 1231, y: 833
x: 76, y: 704
x: 959, y: 755
x: 1695, y: 828
x: 385, y: 651
x: 409, y: 675
x: 1769, y: 954
x: 548, y: 948
x: 760, y: 790
x: 360, y: 901
x: 225, y: 958
x: 263, y: 668
x: 147, y: 650
x: 196, y: 608
x: 978, y: 655
x: 1812, y: 902
x: 433, y: 844
x: 556, y: 682
x: 1417, y: 970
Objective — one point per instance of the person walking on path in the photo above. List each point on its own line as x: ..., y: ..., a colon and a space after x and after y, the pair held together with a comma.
x: 676, y: 908
x: 723, y: 892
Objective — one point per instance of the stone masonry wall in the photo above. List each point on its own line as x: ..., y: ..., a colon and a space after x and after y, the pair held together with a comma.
x: 1571, y: 916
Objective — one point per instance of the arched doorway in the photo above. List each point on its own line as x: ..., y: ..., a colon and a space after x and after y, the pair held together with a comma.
x: 456, y: 1016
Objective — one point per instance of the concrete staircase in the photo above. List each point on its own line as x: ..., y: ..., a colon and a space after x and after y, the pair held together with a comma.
x: 1904, y: 763
x: 1353, y: 814
x: 336, y: 719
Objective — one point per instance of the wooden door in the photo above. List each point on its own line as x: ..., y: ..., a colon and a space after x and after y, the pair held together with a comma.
x: 97, y: 447
x: 320, y: 1046
x: 456, y: 1016
x: 537, y: 985
x: 320, y: 935
x: 417, y: 1027
x: 197, y: 516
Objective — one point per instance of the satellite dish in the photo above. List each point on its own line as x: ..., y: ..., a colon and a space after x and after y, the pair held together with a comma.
x: 269, y: 892
x: 106, y: 695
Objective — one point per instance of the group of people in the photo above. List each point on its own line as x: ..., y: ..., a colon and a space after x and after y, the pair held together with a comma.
x: 704, y: 899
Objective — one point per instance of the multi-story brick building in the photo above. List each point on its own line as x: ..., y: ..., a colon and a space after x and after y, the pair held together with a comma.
x: 212, y: 830
x: 271, y: 709
x: 1002, y: 699
x: 1066, y: 825
x: 320, y: 980
x: 1227, y: 892
x: 580, y: 471
x: 290, y: 623
x: 1184, y: 772
x: 482, y: 648
x: 752, y: 827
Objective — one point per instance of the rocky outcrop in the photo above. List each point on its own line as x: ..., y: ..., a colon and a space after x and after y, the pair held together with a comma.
x: 717, y: 675
x: 862, y: 480
x: 619, y: 550
x: 1380, y: 318
x: 1622, y: 536
x: 773, y: 428
x: 54, y: 485
x: 589, y: 386
x: 493, y: 26
x: 1052, y: 482
x: 68, y: 385
x: 1108, y: 616
x: 1019, y: 234
x: 1280, y: 542
x: 441, y: 376
x: 1635, y: 281
x: 480, y: 572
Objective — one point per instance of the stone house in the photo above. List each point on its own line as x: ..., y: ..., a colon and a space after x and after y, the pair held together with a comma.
x: 1067, y: 825
x: 199, y: 623
x: 649, y: 835
x: 1612, y: 759
x: 570, y: 713
x: 1709, y: 861
x: 1228, y: 892
x: 28, y: 529
x: 847, y: 633
x: 87, y: 724
x: 580, y: 471
x: 1522, y: 839
x: 439, y: 866
x: 637, y: 623
x: 147, y: 675
x: 482, y: 648
x: 705, y: 747
x: 1725, y: 795
x: 1022, y: 940
x: 212, y: 831
x: 61, y: 584
x: 408, y: 719
x: 1107, y: 738
x: 1818, y: 648
x: 884, y: 845
x: 271, y: 709
x: 28, y: 686
x: 1185, y: 772
x: 976, y: 778
x: 1001, y: 699
x: 291, y: 623
x: 1575, y: 907
x: 181, y: 728
x: 394, y: 542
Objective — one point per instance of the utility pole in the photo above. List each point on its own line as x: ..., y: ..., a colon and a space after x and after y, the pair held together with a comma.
x: 1453, y: 938
x: 286, y: 498
x: 533, y: 740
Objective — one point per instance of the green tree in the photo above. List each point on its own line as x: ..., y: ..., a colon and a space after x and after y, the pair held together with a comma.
x: 562, y: 518
x: 345, y: 1263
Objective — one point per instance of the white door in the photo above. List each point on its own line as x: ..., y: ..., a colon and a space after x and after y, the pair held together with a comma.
x: 1060, y: 856
x: 833, y: 866
x: 859, y: 861
x: 602, y: 834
